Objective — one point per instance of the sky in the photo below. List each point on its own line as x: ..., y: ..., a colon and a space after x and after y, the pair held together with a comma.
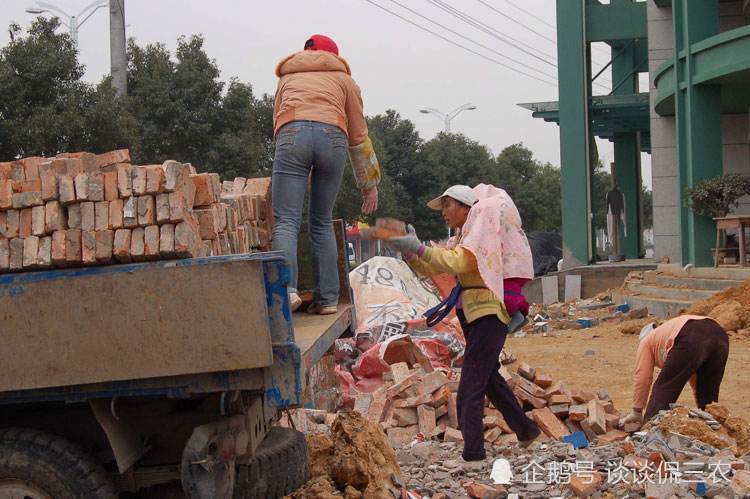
x: 397, y: 65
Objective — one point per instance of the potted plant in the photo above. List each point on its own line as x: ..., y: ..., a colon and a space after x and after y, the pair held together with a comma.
x: 715, y: 197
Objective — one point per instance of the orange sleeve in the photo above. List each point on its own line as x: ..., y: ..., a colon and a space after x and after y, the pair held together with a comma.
x: 276, y: 103
x: 643, y: 375
x: 355, y: 115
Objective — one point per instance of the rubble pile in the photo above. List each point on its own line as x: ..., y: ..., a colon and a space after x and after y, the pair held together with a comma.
x: 730, y: 308
x: 353, y: 459
x: 83, y: 209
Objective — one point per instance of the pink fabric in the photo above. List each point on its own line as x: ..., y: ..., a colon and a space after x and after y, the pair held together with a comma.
x: 517, y: 301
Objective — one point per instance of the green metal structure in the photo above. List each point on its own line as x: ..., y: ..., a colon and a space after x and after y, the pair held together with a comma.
x: 622, y: 116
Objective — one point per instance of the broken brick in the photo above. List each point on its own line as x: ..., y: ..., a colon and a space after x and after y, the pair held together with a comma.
x: 492, y: 434
x: 400, y: 437
x: 526, y: 371
x: 453, y: 435
x: 559, y: 399
x: 578, y: 412
x: 584, y: 484
x: 611, y: 436
x: 548, y: 422
x: 596, y: 418
x: 559, y: 410
x: 543, y: 380
x: 582, y: 397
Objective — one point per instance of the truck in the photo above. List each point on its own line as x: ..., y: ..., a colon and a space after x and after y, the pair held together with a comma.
x: 157, y: 379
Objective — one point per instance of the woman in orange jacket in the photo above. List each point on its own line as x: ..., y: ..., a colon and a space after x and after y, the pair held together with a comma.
x: 318, y: 118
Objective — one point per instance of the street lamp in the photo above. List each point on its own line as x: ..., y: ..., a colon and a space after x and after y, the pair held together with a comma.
x: 73, y: 22
x: 449, y: 116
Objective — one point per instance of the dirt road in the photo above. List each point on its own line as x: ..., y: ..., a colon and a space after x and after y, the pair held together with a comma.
x: 611, y: 366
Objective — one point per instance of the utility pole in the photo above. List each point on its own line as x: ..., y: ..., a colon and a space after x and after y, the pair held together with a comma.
x: 117, y: 42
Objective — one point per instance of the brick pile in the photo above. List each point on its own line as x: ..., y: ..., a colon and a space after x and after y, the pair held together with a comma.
x: 81, y: 209
x: 413, y: 402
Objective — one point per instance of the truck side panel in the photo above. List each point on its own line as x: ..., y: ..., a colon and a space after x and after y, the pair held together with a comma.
x: 129, y: 322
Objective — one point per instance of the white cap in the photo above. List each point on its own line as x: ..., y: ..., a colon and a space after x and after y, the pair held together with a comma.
x: 461, y: 193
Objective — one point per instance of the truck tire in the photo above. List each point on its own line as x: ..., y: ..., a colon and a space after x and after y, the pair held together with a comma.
x: 280, y: 467
x: 37, y: 465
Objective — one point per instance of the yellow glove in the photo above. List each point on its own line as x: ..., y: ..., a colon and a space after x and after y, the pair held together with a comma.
x: 365, y: 165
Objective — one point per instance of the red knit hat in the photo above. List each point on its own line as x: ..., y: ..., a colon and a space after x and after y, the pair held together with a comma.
x: 321, y: 42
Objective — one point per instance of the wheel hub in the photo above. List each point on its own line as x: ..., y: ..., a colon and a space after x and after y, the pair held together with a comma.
x: 15, y: 488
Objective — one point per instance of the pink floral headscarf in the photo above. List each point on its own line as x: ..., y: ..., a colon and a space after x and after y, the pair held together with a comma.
x: 494, y: 235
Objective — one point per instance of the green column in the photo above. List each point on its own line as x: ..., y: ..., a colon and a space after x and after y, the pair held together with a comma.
x: 574, y: 83
x: 627, y: 172
x: 698, y: 118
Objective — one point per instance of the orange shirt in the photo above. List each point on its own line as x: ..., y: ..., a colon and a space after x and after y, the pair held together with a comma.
x: 317, y: 86
x: 652, y: 351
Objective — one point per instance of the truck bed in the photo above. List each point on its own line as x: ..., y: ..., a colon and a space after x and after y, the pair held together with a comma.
x: 315, y: 334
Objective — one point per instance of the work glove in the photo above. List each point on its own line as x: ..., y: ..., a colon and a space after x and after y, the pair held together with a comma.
x: 409, y: 243
x: 633, y: 417
x: 410, y: 230
x: 369, y: 200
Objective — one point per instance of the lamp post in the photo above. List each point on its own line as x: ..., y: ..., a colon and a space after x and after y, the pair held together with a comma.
x: 447, y: 117
x: 73, y: 22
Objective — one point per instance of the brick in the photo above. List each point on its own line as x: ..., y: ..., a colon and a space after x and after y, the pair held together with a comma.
x: 101, y: 215
x: 578, y: 412
x: 5, y: 170
x: 166, y: 241
x: 424, y: 398
x: 612, y: 436
x: 82, y: 186
x: 121, y: 246
x: 492, y: 434
x: 489, y: 422
x: 362, y: 402
x: 207, y: 188
x: 88, y: 247
x: 73, y: 246
x: 162, y: 209
x: 28, y: 186
x: 155, y: 180
x: 176, y: 207
x: 239, y: 184
x: 498, y: 419
x: 453, y: 410
x: 400, y: 437
x: 146, y: 210
x: 559, y: 399
x: 88, y: 215
x: 15, y: 260
x: 48, y: 180
x: 397, y: 388
x: 124, y: 181
x: 137, y: 244
x: 441, y: 411
x: 529, y: 387
x: 17, y: 171
x: 453, y: 435
x: 427, y: 420
x: 6, y: 194
x: 104, y: 245
x: 527, y: 400
x: 507, y: 440
x: 584, y: 484
x: 208, y: 221
x: 378, y: 408
x: 632, y: 427
x: 259, y: 186
x: 186, y: 239
x: 31, y: 167
x: 87, y: 160
x: 139, y: 175
x: 433, y: 381
x: 556, y: 389
x: 66, y: 189
x: 74, y: 216
x: 548, y: 422
x: 405, y: 416
x: 151, y: 242
x: 28, y: 199
x: 4, y: 255
x: 30, y: 252
x: 612, y: 420
x: 527, y: 371
x: 37, y: 221
x: 115, y: 214
x: 440, y: 396
x: 58, y: 248
x: 559, y: 410
x: 586, y: 428
x: 543, y: 380
x: 24, y: 222
x: 596, y: 418
x: 110, y: 186
x: 96, y: 186
x: 582, y: 397
x: 130, y: 213
x: 399, y: 371
x: 112, y: 157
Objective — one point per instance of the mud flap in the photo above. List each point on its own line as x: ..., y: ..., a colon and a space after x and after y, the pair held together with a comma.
x: 208, y: 459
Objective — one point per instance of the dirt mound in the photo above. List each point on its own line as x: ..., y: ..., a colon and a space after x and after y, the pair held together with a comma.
x: 734, y: 433
x: 356, y: 459
x: 730, y: 308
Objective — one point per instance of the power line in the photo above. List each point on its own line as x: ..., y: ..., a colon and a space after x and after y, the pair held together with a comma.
x: 473, y: 41
x: 524, y: 26
x: 491, y: 31
x: 452, y: 42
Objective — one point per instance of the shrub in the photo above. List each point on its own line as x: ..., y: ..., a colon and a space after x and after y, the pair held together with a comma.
x: 715, y: 197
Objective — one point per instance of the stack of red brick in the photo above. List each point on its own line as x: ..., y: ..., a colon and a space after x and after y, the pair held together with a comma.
x: 82, y: 209
x: 412, y: 402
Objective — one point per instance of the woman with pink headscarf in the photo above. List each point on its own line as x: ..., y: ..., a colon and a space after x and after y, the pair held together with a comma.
x: 481, y: 257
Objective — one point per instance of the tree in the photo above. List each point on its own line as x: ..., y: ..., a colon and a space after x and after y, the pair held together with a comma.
x: 45, y: 108
x: 647, y: 198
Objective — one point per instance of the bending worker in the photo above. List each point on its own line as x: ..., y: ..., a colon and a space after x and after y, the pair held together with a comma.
x: 477, y: 262
x: 690, y: 348
x: 318, y: 116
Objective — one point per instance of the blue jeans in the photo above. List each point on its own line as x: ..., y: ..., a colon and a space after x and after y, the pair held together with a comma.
x: 303, y: 147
